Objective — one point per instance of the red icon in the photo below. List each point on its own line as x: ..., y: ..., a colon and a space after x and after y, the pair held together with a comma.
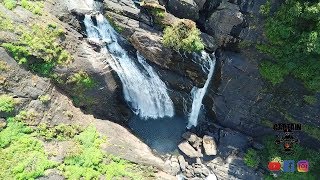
x: 274, y: 166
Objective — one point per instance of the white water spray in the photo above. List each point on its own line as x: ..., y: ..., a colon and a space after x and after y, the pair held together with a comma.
x: 143, y: 89
x: 198, y: 93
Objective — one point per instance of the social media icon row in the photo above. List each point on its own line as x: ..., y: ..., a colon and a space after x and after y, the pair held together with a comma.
x: 289, y: 166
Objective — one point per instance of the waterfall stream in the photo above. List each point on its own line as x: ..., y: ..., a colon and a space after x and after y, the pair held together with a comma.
x: 208, y: 64
x: 142, y: 88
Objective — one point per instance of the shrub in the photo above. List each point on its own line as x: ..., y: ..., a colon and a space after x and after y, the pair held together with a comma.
x: 251, y: 158
x: 294, y: 42
x: 7, y: 103
x: 44, y: 98
x: 34, y: 6
x: 39, y: 49
x: 157, y: 11
x: 91, y: 163
x: 183, y: 35
x: 22, y: 156
x: 59, y: 132
x: 81, y: 80
x: 310, y: 99
x: 6, y: 23
x: 10, y: 4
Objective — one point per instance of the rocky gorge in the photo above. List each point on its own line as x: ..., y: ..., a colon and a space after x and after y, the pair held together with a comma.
x: 236, y: 111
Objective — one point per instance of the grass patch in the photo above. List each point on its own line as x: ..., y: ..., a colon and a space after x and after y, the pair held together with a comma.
x: 251, y: 158
x: 7, y: 103
x: 5, y: 23
x: 294, y: 42
x: 39, y: 49
x: 22, y: 156
x: 157, y: 11
x: 89, y: 162
x: 112, y: 22
x: 34, y: 6
x: 60, y: 132
x: 183, y: 35
x: 310, y: 99
x: 45, y: 98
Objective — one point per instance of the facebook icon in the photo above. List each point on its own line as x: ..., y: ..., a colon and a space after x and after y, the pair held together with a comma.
x: 288, y: 166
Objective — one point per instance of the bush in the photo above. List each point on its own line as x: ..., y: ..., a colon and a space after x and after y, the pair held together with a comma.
x: 39, y: 49
x: 251, y: 158
x: 183, y: 35
x: 44, y: 98
x: 59, y: 132
x: 81, y: 80
x: 7, y: 103
x: 310, y: 99
x: 35, y: 6
x: 294, y: 42
x: 21, y: 155
x: 5, y: 23
x: 90, y: 162
x: 10, y: 4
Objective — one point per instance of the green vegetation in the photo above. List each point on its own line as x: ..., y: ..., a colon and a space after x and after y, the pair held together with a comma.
x: 27, y: 117
x: 157, y: 11
x: 44, y: 98
x: 22, y: 156
x: 80, y: 83
x: 183, y: 35
x: 310, y: 99
x: 39, y: 50
x: 10, y: 4
x: 7, y: 103
x: 59, y: 132
x: 35, y: 6
x: 293, y: 35
x: 251, y: 158
x: 5, y: 23
x: 112, y: 22
x: 88, y: 161
x: 267, y: 123
x: 275, y: 152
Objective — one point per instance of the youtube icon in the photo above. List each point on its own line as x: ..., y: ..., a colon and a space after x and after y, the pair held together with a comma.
x: 274, y: 166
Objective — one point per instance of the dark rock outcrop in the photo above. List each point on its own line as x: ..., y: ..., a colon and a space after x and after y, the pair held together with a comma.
x: 187, y: 9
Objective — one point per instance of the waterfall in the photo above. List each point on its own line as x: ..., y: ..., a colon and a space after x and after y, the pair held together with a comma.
x: 143, y: 89
x: 197, y: 94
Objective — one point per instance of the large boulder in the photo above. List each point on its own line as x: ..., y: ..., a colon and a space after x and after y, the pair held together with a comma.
x: 224, y: 24
x: 187, y: 9
x: 209, y: 145
x: 188, y: 150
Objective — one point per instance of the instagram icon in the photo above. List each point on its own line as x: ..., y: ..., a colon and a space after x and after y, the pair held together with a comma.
x: 303, y: 166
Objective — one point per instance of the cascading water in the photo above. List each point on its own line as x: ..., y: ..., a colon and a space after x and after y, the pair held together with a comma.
x: 143, y: 89
x: 208, y: 65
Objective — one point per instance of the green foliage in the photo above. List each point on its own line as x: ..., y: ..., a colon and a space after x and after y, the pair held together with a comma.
x: 273, y: 151
x: 157, y: 11
x: 293, y: 34
x: 44, y: 98
x: 35, y: 6
x: 21, y: 155
x: 265, y: 9
x: 10, y: 4
x: 90, y: 162
x: 183, y: 35
x: 116, y: 27
x: 28, y: 117
x: 310, y: 99
x: 7, y: 103
x: 6, y: 23
x: 251, y: 158
x: 273, y: 72
x: 59, y: 132
x: 81, y: 80
x: 39, y: 49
